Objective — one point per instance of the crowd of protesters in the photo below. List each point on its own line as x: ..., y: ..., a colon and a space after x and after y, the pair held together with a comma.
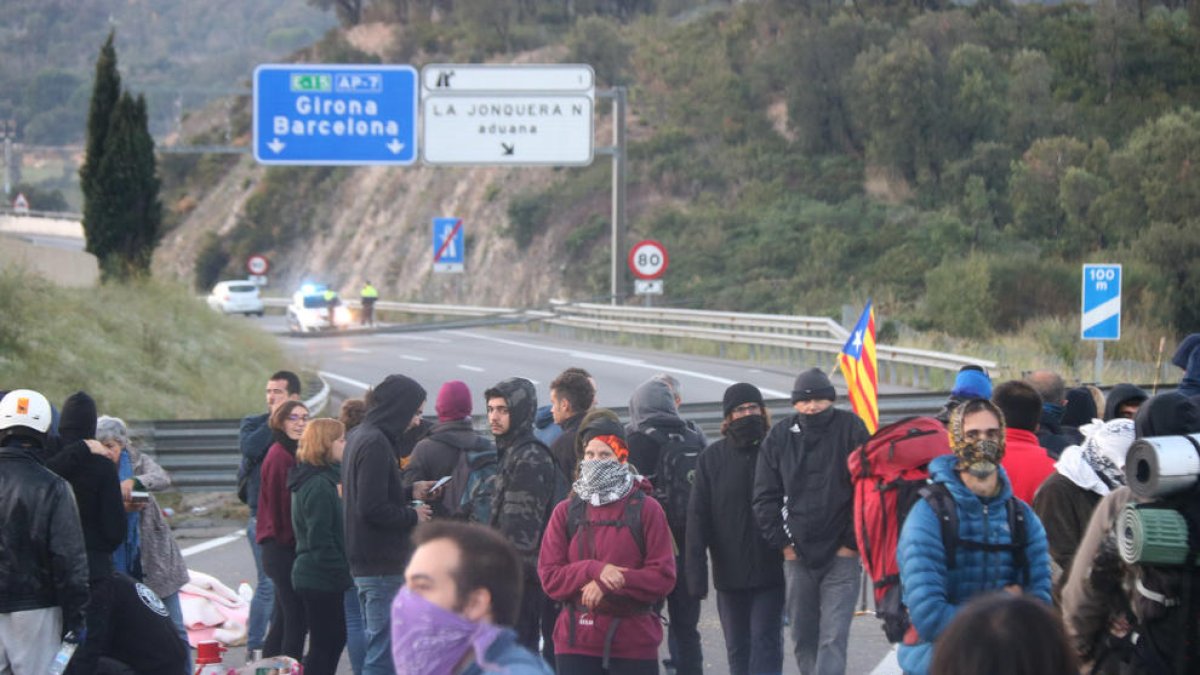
x: 564, y: 539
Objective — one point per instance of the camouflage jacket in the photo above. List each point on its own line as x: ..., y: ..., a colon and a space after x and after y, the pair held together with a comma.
x: 524, y: 497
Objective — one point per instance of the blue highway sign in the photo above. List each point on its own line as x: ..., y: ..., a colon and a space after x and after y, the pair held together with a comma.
x: 1101, y: 318
x: 333, y: 114
x: 449, y: 245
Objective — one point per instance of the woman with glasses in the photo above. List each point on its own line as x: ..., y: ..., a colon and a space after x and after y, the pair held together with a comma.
x: 275, y: 534
x: 747, y: 572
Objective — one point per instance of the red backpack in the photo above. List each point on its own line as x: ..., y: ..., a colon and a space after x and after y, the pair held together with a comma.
x: 888, y: 472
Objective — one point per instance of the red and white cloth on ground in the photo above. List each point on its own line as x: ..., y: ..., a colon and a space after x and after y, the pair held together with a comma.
x: 213, y: 611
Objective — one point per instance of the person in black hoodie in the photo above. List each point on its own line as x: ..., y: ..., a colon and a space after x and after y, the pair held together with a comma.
x: 80, y: 459
x: 655, y: 422
x: 378, y: 516
x: 803, y: 463
x: 1124, y: 400
x: 528, y: 485
x: 747, y: 572
x: 571, y: 397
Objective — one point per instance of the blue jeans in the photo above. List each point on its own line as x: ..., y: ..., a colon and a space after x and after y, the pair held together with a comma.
x: 264, y: 594
x: 356, y: 639
x: 176, y: 612
x: 753, y: 625
x: 375, y: 595
x: 820, y: 604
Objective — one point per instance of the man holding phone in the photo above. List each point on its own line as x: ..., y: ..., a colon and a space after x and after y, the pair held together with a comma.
x: 436, y: 456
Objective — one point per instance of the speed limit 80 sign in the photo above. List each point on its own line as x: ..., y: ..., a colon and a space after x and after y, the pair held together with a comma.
x: 648, y: 259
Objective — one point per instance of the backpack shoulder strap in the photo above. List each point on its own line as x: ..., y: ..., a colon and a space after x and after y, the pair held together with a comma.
x: 937, y: 495
x: 1019, y: 534
x: 633, y: 519
x: 576, y: 516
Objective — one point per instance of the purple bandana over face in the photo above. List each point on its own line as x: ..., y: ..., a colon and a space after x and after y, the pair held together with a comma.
x: 428, y: 640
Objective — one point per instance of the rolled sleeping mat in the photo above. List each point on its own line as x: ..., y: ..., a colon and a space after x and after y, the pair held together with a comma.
x: 1162, y: 465
x: 1152, y: 536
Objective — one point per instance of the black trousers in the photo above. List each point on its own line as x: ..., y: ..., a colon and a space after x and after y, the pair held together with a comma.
x: 683, y: 633
x: 288, y: 626
x: 529, y: 618
x: 574, y: 664
x: 325, y: 612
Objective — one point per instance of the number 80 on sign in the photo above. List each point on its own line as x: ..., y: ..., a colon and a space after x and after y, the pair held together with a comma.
x: 648, y: 259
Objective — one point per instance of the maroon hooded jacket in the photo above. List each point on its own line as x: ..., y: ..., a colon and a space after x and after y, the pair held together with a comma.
x: 647, y: 581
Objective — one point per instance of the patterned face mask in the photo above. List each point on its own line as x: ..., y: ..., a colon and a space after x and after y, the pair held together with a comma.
x: 979, y: 457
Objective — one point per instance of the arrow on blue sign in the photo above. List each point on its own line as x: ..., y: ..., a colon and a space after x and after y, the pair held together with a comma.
x: 1101, y: 315
x: 330, y: 114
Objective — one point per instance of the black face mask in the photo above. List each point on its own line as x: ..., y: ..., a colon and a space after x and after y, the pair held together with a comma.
x: 748, y: 430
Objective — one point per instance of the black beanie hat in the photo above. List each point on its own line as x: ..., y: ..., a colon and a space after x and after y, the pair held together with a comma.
x: 737, y: 394
x: 813, y: 385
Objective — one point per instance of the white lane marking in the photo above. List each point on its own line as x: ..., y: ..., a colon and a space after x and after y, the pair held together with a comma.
x: 213, y: 543
x: 889, y: 665
x: 407, y: 357
x: 620, y: 360
x: 415, y: 338
x: 343, y: 379
x: 473, y: 369
x: 356, y: 350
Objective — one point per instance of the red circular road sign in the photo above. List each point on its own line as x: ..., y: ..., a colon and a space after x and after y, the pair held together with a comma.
x: 648, y: 259
x: 257, y: 265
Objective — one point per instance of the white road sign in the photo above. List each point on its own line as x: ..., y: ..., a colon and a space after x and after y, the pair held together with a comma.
x: 468, y: 78
x: 648, y: 259
x: 508, y: 115
x: 648, y: 286
x: 505, y: 129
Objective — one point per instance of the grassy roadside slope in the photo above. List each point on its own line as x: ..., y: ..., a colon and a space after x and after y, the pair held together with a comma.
x: 145, y: 351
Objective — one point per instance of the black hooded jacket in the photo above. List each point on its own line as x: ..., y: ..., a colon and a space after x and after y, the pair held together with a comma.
x: 1167, y: 414
x: 804, y: 459
x: 94, y: 481
x: 1122, y: 393
x: 528, y: 478
x: 378, y: 516
x: 721, y: 521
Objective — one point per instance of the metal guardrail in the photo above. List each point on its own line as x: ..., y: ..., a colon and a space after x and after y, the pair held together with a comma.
x: 30, y: 213
x: 413, y: 307
x: 772, y: 323
x: 203, y: 455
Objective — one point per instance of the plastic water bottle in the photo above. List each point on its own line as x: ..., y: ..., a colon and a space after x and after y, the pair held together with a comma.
x: 63, y: 657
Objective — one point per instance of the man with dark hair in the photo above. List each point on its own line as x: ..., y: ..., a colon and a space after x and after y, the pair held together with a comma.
x: 526, y: 487
x: 463, y: 595
x: 1050, y: 433
x: 1124, y: 400
x: 571, y: 396
x: 1025, y: 459
x: 254, y: 439
x: 802, y: 464
x: 544, y: 427
x: 43, y: 566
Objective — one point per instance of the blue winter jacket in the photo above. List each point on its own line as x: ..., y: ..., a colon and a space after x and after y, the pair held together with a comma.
x: 934, y: 594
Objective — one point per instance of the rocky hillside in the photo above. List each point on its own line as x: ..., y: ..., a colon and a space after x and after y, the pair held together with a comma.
x: 374, y: 222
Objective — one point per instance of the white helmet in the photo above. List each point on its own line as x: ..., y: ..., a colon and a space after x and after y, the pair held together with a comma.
x: 25, y: 408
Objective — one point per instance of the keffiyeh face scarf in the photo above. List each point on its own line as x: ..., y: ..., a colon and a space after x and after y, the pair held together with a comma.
x: 979, y: 457
x: 603, y: 481
x: 1104, y: 447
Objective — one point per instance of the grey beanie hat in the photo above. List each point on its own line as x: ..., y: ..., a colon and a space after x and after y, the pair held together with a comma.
x: 811, y: 385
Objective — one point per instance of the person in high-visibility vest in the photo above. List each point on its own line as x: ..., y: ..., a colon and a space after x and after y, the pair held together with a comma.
x: 331, y: 303
x: 368, y: 295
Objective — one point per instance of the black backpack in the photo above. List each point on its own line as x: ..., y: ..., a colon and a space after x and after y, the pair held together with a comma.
x: 892, y: 610
x: 631, y: 517
x: 675, y: 473
x: 1166, y: 638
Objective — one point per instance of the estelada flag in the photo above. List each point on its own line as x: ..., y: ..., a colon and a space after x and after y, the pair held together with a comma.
x: 857, y: 361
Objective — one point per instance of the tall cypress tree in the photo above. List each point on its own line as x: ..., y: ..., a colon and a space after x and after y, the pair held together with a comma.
x: 126, y: 194
x: 122, y: 215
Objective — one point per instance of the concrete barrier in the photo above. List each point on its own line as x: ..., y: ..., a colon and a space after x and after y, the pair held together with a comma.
x: 46, y: 226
